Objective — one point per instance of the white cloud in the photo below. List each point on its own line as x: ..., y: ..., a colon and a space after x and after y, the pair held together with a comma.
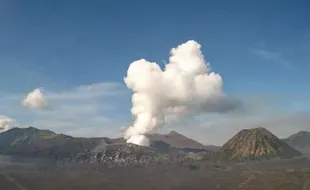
x: 6, y: 123
x: 272, y: 56
x: 86, y: 106
x: 95, y: 90
x: 83, y: 108
x: 268, y: 55
x: 35, y: 100
x: 103, y: 115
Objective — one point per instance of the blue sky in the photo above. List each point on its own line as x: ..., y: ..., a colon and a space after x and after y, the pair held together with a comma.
x: 261, y: 49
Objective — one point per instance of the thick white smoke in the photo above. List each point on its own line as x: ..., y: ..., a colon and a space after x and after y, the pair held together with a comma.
x: 6, y: 123
x: 140, y: 140
x: 186, y: 83
x: 35, y: 100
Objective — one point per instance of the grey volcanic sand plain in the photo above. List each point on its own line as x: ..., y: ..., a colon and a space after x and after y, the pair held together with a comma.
x: 191, y: 175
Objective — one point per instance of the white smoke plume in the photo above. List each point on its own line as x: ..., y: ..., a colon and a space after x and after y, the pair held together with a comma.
x: 139, y: 140
x: 35, y: 100
x: 186, y: 84
x: 6, y: 123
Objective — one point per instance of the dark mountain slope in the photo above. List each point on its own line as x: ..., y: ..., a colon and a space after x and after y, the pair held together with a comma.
x: 31, y: 142
x: 20, y: 139
x: 300, y: 140
x: 175, y: 139
x: 34, y: 142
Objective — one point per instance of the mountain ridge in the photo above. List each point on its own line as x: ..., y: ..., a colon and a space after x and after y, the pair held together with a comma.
x: 247, y: 144
x: 299, y: 140
x: 176, y: 140
x: 31, y: 140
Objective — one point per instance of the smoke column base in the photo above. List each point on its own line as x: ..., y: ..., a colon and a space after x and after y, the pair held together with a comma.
x: 140, y: 140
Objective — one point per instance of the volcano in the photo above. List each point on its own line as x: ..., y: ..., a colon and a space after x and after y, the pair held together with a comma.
x: 255, y: 144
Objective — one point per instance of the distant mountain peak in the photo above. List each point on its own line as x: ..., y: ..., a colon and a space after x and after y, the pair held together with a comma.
x: 263, y: 129
x: 32, y: 129
x: 171, y: 133
x: 299, y: 140
x: 303, y: 133
x: 257, y: 143
x: 177, y: 140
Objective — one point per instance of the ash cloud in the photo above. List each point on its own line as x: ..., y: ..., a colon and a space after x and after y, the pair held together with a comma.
x: 186, y: 85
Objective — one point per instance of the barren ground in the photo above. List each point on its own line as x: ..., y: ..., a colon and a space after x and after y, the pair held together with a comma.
x: 202, y: 175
